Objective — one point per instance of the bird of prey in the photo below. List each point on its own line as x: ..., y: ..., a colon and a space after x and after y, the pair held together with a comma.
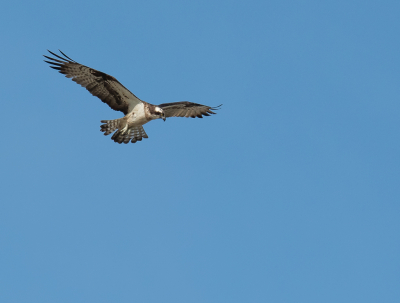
x: 137, y: 112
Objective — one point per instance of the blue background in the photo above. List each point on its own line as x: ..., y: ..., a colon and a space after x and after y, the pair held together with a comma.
x: 289, y: 194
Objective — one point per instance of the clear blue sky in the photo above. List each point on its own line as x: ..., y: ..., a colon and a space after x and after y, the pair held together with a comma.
x: 289, y: 194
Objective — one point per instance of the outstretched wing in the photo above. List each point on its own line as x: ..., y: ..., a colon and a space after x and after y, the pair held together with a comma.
x: 187, y: 109
x: 99, y: 84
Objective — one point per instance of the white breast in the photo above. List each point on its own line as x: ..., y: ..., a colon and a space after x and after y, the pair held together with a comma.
x: 138, y: 116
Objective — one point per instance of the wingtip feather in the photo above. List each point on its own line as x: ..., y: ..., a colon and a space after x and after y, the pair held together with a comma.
x: 66, y: 56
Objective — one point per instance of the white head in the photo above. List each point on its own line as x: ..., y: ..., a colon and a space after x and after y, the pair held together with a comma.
x: 159, y: 113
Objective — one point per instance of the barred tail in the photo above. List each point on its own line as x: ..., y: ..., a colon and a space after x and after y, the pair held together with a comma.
x: 110, y: 125
x: 133, y: 134
x: 123, y: 133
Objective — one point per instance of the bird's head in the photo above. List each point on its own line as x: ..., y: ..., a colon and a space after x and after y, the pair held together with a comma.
x: 159, y: 112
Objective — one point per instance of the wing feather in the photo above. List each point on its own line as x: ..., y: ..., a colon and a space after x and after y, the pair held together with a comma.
x: 105, y: 87
x: 187, y: 109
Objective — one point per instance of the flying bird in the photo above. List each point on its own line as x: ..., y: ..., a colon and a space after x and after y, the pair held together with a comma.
x: 137, y: 112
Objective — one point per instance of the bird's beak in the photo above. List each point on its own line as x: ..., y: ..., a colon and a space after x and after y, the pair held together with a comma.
x: 163, y: 117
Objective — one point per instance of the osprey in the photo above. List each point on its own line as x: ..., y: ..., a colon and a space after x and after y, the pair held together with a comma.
x: 137, y: 112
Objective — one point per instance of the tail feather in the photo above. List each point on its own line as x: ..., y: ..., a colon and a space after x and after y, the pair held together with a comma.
x: 133, y: 135
x: 123, y: 134
x: 118, y: 136
x: 138, y: 134
x: 111, y: 125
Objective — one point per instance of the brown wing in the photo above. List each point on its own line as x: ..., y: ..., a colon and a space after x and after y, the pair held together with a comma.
x: 187, y: 109
x: 99, y: 84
